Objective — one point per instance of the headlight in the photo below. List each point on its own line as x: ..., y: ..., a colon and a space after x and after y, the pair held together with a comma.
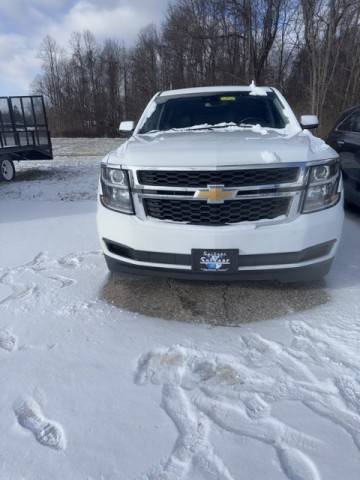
x: 115, y: 190
x: 323, y: 187
x: 325, y: 172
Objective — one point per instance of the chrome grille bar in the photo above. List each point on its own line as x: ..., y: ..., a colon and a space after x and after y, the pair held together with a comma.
x: 294, y: 190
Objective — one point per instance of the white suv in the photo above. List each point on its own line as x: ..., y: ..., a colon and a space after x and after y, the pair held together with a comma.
x: 221, y: 183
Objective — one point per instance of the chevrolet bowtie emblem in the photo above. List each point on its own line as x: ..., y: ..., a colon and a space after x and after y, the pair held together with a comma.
x: 215, y: 194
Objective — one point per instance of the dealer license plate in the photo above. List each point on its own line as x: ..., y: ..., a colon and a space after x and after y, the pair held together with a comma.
x: 215, y: 261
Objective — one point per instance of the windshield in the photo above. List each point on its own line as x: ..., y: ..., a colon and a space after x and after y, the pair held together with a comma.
x: 220, y: 110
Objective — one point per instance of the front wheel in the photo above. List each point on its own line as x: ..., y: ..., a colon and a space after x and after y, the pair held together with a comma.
x: 7, y: 170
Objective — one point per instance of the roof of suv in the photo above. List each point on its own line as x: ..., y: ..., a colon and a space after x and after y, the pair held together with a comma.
x: 199, y: 90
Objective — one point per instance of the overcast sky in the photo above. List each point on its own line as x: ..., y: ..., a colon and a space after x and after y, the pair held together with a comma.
x: 24, y: 23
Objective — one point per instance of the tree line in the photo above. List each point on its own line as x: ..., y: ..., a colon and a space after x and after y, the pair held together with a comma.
x: 309, y: 49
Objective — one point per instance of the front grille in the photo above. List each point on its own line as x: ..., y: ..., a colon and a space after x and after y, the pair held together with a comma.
x: 229, y: 178
x: 197, y: 212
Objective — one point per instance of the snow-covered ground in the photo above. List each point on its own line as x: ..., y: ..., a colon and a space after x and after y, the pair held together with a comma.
x: 138, y: 379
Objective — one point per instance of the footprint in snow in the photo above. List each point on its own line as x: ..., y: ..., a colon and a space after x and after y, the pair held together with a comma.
x: 8, y: 341
x: 202, y: 389
x: 296, y: 465
x: 47, y: 432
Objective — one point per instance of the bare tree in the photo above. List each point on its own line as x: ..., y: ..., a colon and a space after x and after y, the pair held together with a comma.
x: 308, y: 48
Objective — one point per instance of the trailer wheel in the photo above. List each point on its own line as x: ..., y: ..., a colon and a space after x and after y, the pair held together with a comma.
x: 7, y: 170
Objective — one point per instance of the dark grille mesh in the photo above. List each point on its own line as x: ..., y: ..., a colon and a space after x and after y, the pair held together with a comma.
x: 202, y: 213
x: 229, y: 178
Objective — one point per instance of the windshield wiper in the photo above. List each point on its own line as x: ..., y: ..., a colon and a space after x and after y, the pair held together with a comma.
x: 204, y: 127
x: 246, y: 125
x: 214, y: 127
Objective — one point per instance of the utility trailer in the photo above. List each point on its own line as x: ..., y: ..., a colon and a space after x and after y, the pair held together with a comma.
x: 24, y: 132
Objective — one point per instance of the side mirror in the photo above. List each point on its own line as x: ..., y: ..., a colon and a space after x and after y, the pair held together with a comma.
x: 309, y: 122
x: 127, y: 126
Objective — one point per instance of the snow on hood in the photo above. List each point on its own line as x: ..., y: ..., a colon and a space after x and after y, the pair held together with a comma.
x: 220, y: 147
x: 316, y: 143
x: 219, y: 127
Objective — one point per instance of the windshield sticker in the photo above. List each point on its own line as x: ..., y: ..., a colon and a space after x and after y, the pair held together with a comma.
x: 228, y: 99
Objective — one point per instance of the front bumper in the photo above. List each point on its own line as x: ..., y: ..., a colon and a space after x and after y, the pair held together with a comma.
x: 286, y: 251
x: 305, y: 273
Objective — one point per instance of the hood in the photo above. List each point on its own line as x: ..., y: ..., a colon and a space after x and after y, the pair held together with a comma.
x: 219, y: 148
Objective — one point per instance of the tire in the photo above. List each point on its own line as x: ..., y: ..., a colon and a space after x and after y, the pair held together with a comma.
x: 7, y: 170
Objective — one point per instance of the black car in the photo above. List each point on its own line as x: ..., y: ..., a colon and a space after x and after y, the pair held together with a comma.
x: 345, y: 139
